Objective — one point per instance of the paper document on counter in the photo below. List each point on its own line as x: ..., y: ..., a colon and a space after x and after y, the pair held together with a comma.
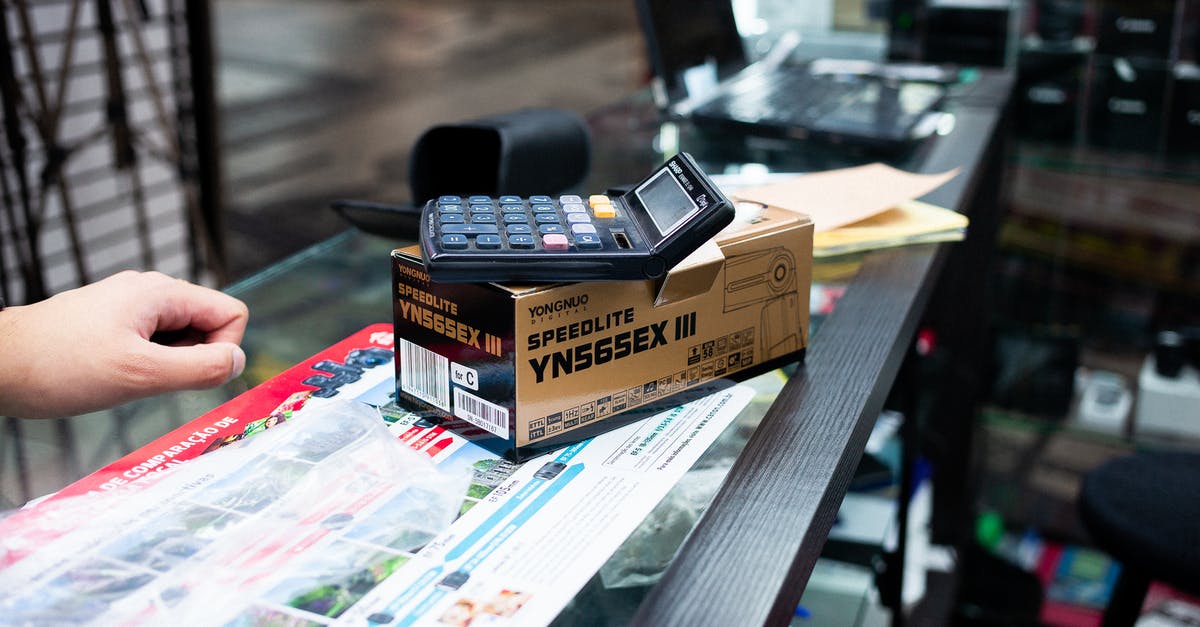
x: 856, y: 209
x: 836, y: 198
x: 521, y: 554
x: 527, y: 538
x: 912, y: 222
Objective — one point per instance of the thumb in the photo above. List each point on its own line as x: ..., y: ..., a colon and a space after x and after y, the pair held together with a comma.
x: 198, y: 366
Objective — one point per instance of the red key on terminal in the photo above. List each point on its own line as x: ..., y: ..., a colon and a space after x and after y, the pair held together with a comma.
x: 554, y: 241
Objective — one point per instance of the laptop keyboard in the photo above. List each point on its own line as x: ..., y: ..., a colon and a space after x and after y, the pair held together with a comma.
x: 794, y: 98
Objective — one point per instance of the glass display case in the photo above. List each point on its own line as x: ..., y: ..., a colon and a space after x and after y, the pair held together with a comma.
x: 1098, y: 257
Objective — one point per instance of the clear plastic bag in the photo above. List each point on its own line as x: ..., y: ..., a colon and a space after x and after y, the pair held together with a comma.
x: 312, y: 514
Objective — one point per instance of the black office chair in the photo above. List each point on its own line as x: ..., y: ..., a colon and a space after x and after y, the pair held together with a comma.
x: 1143, y: 510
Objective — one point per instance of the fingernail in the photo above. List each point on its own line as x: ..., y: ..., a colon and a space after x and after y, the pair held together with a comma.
x: 239, y: 363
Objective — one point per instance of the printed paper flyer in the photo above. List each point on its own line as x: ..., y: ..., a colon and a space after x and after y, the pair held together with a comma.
x: 327, y: 522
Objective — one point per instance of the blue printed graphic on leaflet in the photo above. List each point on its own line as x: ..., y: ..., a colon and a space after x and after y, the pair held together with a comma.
x: 553, y: 475
x: 454, y: 580
x: 426, y: 579
x: 514, y: 502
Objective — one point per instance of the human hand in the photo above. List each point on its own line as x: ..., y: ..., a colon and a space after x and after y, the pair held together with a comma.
x: 131, y: 335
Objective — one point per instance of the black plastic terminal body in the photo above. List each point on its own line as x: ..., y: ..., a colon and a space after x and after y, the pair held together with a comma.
x: 643, y: 241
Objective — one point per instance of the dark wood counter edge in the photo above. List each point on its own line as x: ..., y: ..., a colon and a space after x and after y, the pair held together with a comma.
x: 748, y: 560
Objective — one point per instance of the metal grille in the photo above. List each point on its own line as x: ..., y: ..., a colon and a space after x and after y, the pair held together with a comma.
x: 108, y: 159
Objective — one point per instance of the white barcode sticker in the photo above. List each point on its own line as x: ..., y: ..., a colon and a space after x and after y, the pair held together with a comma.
x: 425, y: 374
x: 481, y: 413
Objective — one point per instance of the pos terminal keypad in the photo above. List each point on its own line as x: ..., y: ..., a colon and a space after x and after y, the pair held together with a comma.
x: 535, y: 222
x: 567, y: 237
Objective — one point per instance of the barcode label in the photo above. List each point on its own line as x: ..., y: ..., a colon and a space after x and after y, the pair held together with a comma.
x: 481, y: 413
x: 425, y: 374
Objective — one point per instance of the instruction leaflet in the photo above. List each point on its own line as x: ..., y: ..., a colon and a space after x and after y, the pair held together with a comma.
x: 529, y: 538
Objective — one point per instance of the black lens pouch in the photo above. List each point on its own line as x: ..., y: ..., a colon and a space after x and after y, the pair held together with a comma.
x: 522, y: 152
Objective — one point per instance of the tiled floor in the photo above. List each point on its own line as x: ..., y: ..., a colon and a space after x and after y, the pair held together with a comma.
x: 323, y: 99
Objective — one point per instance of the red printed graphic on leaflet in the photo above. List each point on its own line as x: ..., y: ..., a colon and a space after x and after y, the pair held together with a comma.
x: 282, y: 548
x: 439, y: 446
x: 318, y: 379
x: 438, y: 440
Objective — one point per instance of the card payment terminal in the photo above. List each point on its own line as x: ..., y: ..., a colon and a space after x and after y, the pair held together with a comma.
x: 637, y: 235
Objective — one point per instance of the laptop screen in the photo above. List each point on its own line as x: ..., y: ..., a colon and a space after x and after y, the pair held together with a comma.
x: 685, y: 34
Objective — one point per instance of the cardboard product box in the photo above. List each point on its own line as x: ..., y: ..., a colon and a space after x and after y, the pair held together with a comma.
x: 1136, y: 28
x: 1048, y: 92
x: 1183, y: 118
x: 528, y: 368
x: 1127, y: 103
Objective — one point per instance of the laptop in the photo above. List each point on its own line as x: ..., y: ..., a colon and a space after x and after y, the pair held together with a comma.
x: 702, y: 73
